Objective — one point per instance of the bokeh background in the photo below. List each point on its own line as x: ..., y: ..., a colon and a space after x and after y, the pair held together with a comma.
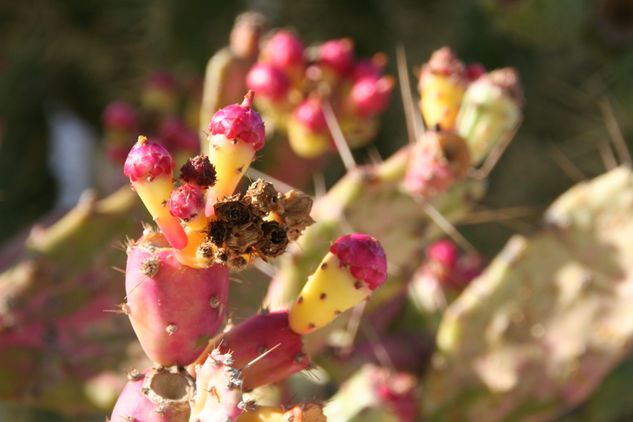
x: 575, y: 59
x: 572, y: 55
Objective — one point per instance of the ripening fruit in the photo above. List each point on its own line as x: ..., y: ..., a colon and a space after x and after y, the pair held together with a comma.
x: 355, y: 265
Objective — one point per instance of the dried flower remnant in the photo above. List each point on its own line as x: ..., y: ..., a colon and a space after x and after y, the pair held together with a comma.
x: 198, y: 171
x: 259, y: 223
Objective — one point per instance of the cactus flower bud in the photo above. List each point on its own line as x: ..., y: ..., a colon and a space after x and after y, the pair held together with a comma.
x: 442, y: 84
x: 187, y: 203
x: 338, y: 55
x: 351, y: 270
x: 236, y: 132
x: 370, y: 95
x: 490, y: 111
x: 149, y: 167
x: 444, y: 252
x: 474, y: 71
x: 285, y: 51
x: 120, y: 116
x: 268, y: 82
x: 437, y: 160
x: 160, y: 93
x: 177, y: 136
x: 308, y: 132
x: 373, y: 67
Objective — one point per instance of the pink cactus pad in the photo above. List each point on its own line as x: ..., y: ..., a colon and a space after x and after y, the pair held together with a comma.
x: 338, y: 55
x: 268, y: 81
x: 285, y: 50
x: 239, y: 121
x: 174, y: 309
x: 156, y: 395
x: 147, y: 160
x: 186, y: 202
x: 364, y: 256
x: 371, y: 95
x: 198, y: 171
x: 120, y: 116
x: 444, y: 252
x: 269, y: 336
x: 310, y: 114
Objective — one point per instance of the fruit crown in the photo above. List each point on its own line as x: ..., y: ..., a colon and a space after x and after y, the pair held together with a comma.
x: 364, y: 256
x: 239, y: 121
x: 147, y: 160
x: 285, y: 50
x: 310, y: 114
x: 186, y: 201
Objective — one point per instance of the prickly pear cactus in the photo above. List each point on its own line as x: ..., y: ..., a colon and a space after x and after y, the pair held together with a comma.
x: 54, y: 323
x: 371, y: 200
x: 537, y: 332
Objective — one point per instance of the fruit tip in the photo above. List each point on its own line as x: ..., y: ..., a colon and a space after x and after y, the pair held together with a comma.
x: 248, y: 99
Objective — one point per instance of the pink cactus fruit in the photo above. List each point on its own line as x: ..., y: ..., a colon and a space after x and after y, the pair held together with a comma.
x: 437, y: 160
x: 442, y: 255
x: 355, y: 265
x: 236, y: 132
x: 218, y: 389
x: 120, y: 121
x: 160, y: 93
x: 285, y: 51
x: 308, y: 133
x: 174, y: 309
x: 447, y: 266
x: 442, y: 83
x: 264, y: 348
x: 337, y: 55
x: 120, y: 116
x: 373, y: 67
x: 149, y: 167
x: 370, y: 95
x: 396, y: 391
x: 468, y: 267
x: 268, y: 82
x: 177, y: 136
x: 187, y: 203
x: 490, y: 112
x: 156, y: 395
x: 474, y: 71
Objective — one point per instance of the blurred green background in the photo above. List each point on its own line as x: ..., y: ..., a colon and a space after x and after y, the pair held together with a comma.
x: 575, y: 59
